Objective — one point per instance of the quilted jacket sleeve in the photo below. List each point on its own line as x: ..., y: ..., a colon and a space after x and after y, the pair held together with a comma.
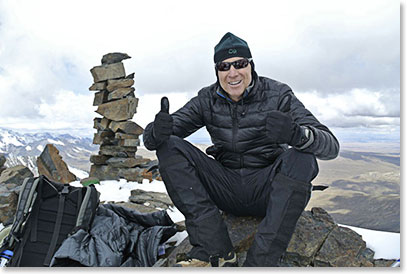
x: 186, y: 121
x: 322, y: 142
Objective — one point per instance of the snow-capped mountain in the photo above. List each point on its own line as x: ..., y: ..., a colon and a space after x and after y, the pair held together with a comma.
x: 24, y: 148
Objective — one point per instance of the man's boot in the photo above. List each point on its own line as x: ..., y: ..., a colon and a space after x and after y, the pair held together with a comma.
x: 288, y: 198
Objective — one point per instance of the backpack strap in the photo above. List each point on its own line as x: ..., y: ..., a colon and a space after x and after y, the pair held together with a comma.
x: 88, y: 207
x: 57, y: 228
x: 25, y: 200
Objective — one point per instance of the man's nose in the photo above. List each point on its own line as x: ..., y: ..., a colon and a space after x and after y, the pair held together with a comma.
x: 232, y: 71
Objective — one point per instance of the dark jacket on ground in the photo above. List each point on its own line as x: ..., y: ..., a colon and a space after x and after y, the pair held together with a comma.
x: 238, y: 129
x: 118, y: 237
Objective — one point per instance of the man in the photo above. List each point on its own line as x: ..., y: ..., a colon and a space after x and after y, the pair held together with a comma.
x: 251, y: 120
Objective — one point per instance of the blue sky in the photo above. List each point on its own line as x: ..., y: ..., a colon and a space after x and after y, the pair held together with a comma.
x: 341, y: 58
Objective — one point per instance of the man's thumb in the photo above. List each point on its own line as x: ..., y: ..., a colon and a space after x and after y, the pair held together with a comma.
x: 165, y: 105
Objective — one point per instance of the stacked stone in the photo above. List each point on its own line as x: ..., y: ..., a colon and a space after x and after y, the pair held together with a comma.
x: 117, y: 136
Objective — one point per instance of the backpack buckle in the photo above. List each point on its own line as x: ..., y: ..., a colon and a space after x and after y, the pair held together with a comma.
x: 65, y: 190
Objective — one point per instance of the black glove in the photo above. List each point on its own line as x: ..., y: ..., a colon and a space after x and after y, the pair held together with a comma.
x: 163, y: 122
x: 280, y: 127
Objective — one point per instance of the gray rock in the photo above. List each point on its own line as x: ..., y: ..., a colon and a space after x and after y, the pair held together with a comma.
x: 104, y: 172
x: 98, y: 86
x: 101, y: 97
x: 14, y: 176
x: 317, y: 241
x: 114, y: 57
x: 50, y: 164
x: 151, y: 199
x: 120, y: 83
x: 99, y: 159
x: 117, y: 151
x: 119, y: 110
x: 108, y: 72
x: 2, y: 160
x: 128, y: 127
x: 119, y: 93
x: 129, y: 142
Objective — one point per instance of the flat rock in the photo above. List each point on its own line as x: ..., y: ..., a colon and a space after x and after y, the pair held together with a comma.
x: 122, y: 162
x: 104, y: 172
x: 14, y: 176
x: 151, y: 198
x: 99, y: 159
x: 134, y: 174
x: 119, y: 110
x: 128, y: 127
x: 116, y: 151
x: 120, y: 83
x: 120, y: 135
x: 50, y: 164
x: 101, y: 97
x: 114, y: 57
x: 129, y: 142
x: 98, y: 86
x: 119, y: 93
x: 108, y: 72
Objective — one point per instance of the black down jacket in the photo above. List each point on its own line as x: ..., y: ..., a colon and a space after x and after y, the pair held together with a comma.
x: 118, y: 237
x: 238, y: 129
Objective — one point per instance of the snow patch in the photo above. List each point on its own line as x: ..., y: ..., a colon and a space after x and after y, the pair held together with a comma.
x: 78, y: 172
x: 55, y: 142
x: 40, y: 147
x: 28, y: 148
x: 386, y: 245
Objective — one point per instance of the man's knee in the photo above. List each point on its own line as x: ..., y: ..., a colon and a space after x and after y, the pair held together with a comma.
x: 299, y: 165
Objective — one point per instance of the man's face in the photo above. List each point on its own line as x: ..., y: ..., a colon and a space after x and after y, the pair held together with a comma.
x: 235, y: 81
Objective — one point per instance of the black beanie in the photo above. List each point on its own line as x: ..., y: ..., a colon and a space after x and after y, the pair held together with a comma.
x: 231, y: 46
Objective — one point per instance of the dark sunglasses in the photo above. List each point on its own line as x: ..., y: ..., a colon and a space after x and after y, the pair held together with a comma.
x: 239, y: 64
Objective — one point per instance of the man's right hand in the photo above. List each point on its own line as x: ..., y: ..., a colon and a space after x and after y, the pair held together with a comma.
x: 163, y: 122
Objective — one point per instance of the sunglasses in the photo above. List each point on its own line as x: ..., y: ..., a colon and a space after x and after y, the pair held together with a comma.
x: 239, y: 64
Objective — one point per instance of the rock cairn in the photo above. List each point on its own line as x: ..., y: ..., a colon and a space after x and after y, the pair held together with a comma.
x: 116, y: 134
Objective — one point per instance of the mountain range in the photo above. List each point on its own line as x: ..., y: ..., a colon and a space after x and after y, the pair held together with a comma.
x: 364, y: 181
x: 24, y: 148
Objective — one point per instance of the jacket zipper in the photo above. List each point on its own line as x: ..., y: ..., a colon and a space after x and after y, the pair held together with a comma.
x: 234, y: 126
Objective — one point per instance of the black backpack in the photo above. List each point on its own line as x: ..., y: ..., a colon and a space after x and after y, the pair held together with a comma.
x: 47, y: 213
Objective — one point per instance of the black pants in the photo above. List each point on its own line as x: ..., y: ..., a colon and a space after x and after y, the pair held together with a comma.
x: 199, y: 186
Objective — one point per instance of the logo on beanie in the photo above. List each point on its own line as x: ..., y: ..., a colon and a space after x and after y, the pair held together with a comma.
x: 232, y: 51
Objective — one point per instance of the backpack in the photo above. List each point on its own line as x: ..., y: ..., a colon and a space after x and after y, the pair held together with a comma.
x: 47, y: 213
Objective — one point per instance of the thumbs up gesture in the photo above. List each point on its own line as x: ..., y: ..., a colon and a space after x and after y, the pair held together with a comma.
x: 280, y: 127
x: 163, y: 122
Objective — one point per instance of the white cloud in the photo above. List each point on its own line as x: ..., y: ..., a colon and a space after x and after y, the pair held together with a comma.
x: 328, y: 46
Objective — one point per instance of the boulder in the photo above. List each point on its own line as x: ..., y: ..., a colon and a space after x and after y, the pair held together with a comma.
x: 120, y: 83
x: 317, y: 241
x: 10, y: 183
x: 50, y: 164
x: 107, y: 72
x: 119, y: 110
x: 114, y: 57
x: 13, y: 177
x: 156, y: 200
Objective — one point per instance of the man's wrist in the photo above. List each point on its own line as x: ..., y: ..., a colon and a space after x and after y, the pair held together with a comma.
x: 307, y: 138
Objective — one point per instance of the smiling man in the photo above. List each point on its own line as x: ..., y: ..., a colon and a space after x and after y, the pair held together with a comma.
x: 265, y: 145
